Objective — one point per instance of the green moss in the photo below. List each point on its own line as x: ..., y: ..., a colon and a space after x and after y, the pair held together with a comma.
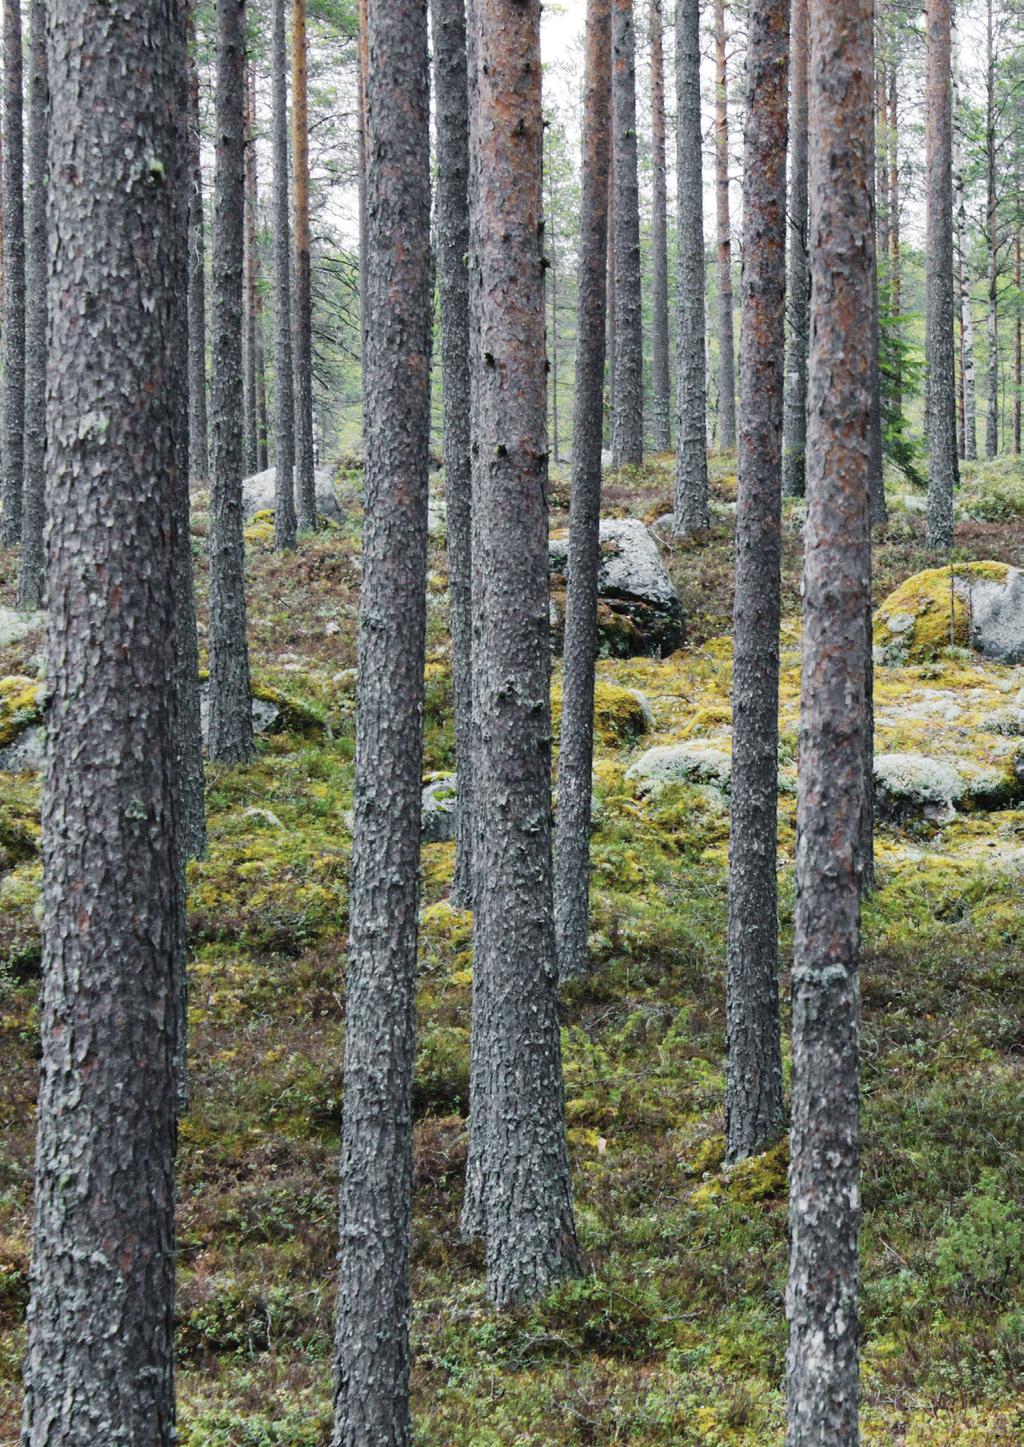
x: 621, y: 715
x: 929, y: 612
x: 21, y: 706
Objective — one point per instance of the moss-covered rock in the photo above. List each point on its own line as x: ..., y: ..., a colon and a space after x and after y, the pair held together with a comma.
x: 681, y: 764
x: 621, y: 715
x: 933, y: 611
x: 21, y: 706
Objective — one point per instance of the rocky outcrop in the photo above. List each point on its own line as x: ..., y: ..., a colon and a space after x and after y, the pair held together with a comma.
x: 969, y: 605
x: 638, y: 609
x: 259, y: 495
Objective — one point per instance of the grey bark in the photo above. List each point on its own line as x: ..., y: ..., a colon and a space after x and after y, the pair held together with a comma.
x: 991, y: 244
x: 199, y: 460
x: 661, y: 386
x: 876, y: 466
x: 31, y: 576
x: 726, y: 349
x: 576, y: 750
x: 517, y: 1184
x: 940, y: 380
x: 12, y: 343
x: 99, y: 1366
x: 230, y: 738
x: 754, y: 1105
x: 798, y: 287
x: 284, y: 381
x: 451, y: 84
x: 962, y: 239
x: 822, y: 1391
x: 628, y: 420
x: 250, y: 443
x: 691, y: 483
x: 374, y: 1307
x: 305, y: 487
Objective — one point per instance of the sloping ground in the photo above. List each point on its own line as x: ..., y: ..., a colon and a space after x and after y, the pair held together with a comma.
x: 678, y: 1334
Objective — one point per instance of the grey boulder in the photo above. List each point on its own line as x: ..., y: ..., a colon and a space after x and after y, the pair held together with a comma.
x: 259, y: 495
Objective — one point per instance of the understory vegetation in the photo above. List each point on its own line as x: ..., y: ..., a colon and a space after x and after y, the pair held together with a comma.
x: 676, y: 1334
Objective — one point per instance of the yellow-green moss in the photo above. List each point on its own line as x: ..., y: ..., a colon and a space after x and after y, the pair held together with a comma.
x: 261, y: 528
x: 21, y: 702
x: 620, y: 716
x: 929, y: 612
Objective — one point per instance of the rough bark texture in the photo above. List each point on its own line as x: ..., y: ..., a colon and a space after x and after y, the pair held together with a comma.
x: 895, y: 254
x: 726, y: 350
x: 968, y: 402
x: 305, y: 490
x: 99, y: 1366
x: 628, y: 421
x: 824, y: 1182
x: 199, y: 464
x: 798, y: 286
x: 991, y: 243
x: 13, y: 338
x: 230, y: 738
x: 940, y: 381
x: 691, y: 490
x: 451, y: 87
x: 754, y: 1106
x: 576, y: 750
x: 250, y: 445
x: 374, y: 1306
x: 876, y: 474
x: 363, y: 61
x: 31, y: 576
x: 517, y: 1188
x: 610, y: 349
x: 284, y: 379
x: 1017, y: 358
x: 661, y: 386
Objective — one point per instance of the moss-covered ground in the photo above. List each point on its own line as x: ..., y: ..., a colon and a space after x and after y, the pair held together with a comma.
x: 676, y: 1334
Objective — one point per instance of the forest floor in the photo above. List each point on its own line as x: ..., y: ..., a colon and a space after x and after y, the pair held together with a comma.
x: 676, y: 1334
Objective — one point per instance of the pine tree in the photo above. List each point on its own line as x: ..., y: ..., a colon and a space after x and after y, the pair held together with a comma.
x: 628, y: 419
x: 451, y: 84
x: 726, y: 351
x: 199, y: 464
x: 33, y: 559
x: 576, y: 745
x: 250, y: 318
x: 661, y: 430
x: 284, y: 381
x: 230, y: 738
x: 798, y: 290
x: 12, y: 342
x: 372, y: 1397
x: 305, y: 484
x: 691, y: 490
x: 517, y: 1181
x: 940, y: 401
x: 99, y: 1365
x: 754, y: 1105
x: 824, y: 1184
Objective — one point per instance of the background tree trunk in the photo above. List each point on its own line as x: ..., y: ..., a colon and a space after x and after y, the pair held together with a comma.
x: 794, y: 444
x: 691, y: 490
x: 576, y: 751
x: 451, y: 86
x: 726, y: 350
x: 611, y: 348
x: 374, y: 1306
x: 628, y: 421
x: 824, y: 1179
x: 517, y: 1183
x: 305, y: 486
x: 895, y: 256
x: 250, y: 425
x: 940, y: 398
x: 284, y: 381
x: 661, y: 386
x: 754, y: 1106
x: 992, y: 243
x: 31, y: 576
x: 99, y: 1366
x: 12, y: 343
x: 199, y: 466
x: 230, y: 738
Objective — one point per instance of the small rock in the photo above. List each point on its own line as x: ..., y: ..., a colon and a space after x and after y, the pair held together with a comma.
x: 681, y: 764
x: 265, y: 715
x: 25, y: 755
x: 439, y: 802
x: 15, y: 626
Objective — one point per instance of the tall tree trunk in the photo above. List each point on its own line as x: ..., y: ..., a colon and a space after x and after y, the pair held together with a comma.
x: 726, y: 351
x: 691, y: 490
x: 1016, y: 339
x: 451, y: 86
x: 794, y: 442
x: 284, y: 381
x: 661, y: 386
x: 628, y: 421
x: 754, y: 1106
x: 230, y: 737
x: 895, y: 255
x: 876, y: 470
x: 374, y: 1306
x: 249, y: 428
x: 12, y: 343
x: 199, y: 465
x: 517, y: 1180
x: 31, y: 577
x: 99, y: 1366
x: 305, y: 486
x: 552, y: 274
x: 968, y: 426
x: 363, y: 62
x: 992, y: 242
x: 262, y: 428
x: 824, y: 1178
x: 940, y: 399
x: 576, y: 751
x: 611, y: 348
